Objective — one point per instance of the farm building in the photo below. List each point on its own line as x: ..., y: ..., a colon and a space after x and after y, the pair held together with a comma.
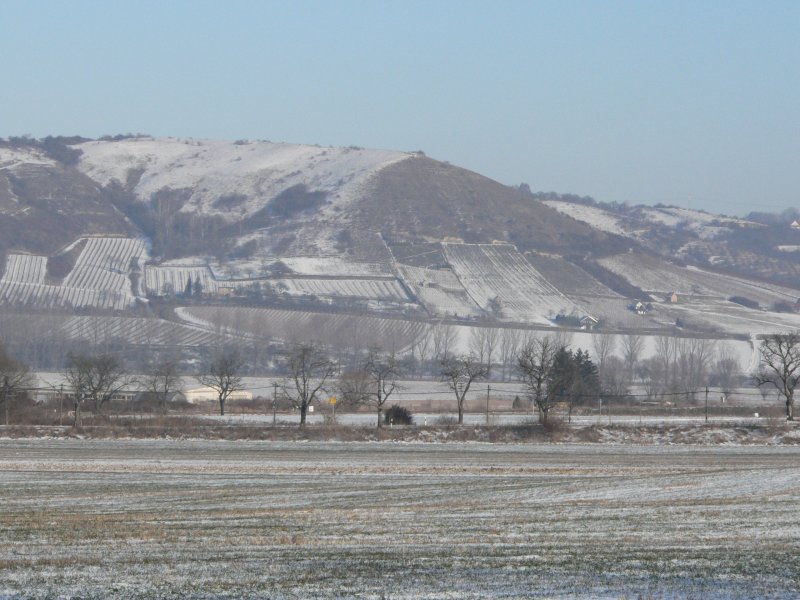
x: 589, y: 322
x: 209, y: 394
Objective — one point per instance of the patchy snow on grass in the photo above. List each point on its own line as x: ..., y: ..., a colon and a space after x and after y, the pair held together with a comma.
x: 175, y: 519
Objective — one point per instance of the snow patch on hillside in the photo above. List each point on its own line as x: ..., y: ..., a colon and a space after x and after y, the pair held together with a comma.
x: 256, y: 171
x: 11, y: 158
x: 591, y: 215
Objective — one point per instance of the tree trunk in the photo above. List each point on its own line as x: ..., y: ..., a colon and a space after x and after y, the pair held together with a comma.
x: 303, y: 409
x: 380, y: 421
x: 77, y: 422
x: 790, y: 408
x: 461, y: 411
x: 222, y: 407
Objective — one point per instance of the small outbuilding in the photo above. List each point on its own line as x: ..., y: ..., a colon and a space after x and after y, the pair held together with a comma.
x: 209, y: 394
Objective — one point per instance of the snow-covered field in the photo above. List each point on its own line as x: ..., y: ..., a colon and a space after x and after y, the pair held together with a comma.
x: 500, y: 271
x: 169, y: 519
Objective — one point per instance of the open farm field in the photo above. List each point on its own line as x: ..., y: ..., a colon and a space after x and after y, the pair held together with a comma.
x: 169, y: 519
x: 500, y: 271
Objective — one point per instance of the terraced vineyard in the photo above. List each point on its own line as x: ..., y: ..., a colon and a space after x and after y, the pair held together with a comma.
x: 372, y: 289
x: 136, y: 331
x: 36, y: 295
x: 99, y: 279
x: 331, y: 329
x: 25, y: 268
x: 439, y: 290
x: 660, y: 277
x: 104, y: 264
x: 500, y: 272
x: 163, y: 280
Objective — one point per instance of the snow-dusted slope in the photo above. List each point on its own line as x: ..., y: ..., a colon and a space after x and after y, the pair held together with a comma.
x: 591, y: 215
x: 212, y: 170
x: 11, y: 158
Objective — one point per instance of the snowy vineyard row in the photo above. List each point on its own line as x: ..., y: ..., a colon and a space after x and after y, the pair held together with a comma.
x: 500, y: 273
x: 334, y: 330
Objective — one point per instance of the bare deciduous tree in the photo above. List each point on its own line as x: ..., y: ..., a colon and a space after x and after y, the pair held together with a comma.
x: 509, y: 347
x: 353, y: 388
x: 14, y: 378
x: 780, y: 357
x: 535, y: 365
x: 309, y: 369
x: 727, y: 369
x: 459, y: 372
x: 94, y: 379
x: 223, y: 375
x: 162, y: 378
x: 603, y: 345
x: 612, y: 380
x: 666, y: 354
x: 382, y: 371
x: 632, y: 346
x: 420, y: 348
x: 483, y: 345
x: 444, y: 339
x: 693, y: 359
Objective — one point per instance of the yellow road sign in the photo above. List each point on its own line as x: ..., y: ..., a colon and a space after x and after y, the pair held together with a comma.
x: 333, y: 400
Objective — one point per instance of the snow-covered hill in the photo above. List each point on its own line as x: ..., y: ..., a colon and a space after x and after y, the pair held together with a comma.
x: 232, y: 180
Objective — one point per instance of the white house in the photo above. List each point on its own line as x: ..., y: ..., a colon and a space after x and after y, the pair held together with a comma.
x: 209, y: 394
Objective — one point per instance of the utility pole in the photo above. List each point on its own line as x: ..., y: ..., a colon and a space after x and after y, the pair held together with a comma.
x: 60, y: 404
x: 274, y: 402
x: 5, y: 396
x: 706, y: 404
x: 488, y: 391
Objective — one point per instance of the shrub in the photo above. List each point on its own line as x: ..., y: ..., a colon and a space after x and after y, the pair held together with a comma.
x: 398, y: 415
x: 745, y: 302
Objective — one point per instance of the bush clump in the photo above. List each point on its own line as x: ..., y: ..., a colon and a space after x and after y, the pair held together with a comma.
x: 398, y: 415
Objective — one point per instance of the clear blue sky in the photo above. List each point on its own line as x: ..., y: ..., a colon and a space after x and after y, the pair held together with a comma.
x: 676, y: 102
